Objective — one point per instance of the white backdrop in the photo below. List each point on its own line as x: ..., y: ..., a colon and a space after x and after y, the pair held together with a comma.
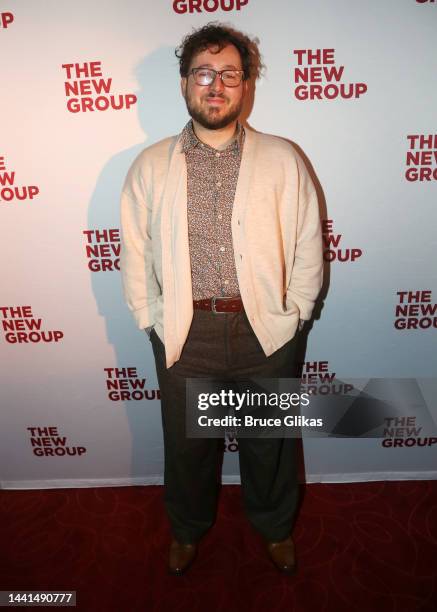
x: 64, y: 325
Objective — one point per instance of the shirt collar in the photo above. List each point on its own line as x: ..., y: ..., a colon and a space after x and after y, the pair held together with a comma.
x: 190, y: 140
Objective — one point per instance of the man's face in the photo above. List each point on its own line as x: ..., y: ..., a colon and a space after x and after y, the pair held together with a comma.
x: 214, y: 106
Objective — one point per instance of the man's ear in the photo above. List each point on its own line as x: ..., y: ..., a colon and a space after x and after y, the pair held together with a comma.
x: 184, y: 86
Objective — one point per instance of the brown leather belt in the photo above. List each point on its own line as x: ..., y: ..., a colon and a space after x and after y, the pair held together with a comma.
x: 220, y: 304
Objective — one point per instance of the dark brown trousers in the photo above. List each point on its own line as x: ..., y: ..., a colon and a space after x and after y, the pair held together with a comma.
x: 223, y: 346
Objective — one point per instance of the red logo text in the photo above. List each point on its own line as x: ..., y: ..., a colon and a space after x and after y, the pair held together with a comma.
x: 422, y: 157
x: 402, y: 432
x: 331, y: 241
x: 91, y: 91
x: 9, y: 192
x: 316, y: 379
x: 46, y: 442
x: 415, y: 310
x: 209, y: 6
x: 6, y: 19
x: 103, y: 249
x: 317, y: 77
x: 20, y: 326
x: 124, y: 384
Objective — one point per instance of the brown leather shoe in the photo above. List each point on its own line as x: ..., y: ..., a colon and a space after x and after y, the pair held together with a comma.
x: 181, y: 556
x: 282, y: 555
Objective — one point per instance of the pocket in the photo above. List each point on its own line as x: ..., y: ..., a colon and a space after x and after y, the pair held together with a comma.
x: 291, y: 306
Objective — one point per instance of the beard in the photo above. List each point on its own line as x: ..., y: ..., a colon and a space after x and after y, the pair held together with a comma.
x: 213, y: 118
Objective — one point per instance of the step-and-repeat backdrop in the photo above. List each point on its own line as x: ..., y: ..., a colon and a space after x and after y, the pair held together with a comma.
x: 85, y: 87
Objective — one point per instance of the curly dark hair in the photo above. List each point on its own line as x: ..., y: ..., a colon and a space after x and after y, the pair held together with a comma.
x: 220, y: 35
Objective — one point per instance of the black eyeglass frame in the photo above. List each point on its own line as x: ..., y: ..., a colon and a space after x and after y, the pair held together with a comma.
x: 193, y: 71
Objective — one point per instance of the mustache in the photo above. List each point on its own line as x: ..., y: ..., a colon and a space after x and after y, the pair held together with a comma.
x: 215, y: 95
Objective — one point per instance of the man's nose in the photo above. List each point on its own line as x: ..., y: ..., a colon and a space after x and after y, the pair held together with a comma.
x: 217, y: 84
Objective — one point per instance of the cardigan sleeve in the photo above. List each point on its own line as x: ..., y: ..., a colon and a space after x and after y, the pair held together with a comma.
x: 307, y: 272
x: 140, y: 286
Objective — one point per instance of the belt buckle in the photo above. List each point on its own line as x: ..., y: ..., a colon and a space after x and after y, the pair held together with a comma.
x: 213, y: 300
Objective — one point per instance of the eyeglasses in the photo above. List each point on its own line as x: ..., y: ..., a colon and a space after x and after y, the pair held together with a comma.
x: 206, y: 76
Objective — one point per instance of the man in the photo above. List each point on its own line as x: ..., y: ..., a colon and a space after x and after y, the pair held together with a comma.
x: 221, y: 262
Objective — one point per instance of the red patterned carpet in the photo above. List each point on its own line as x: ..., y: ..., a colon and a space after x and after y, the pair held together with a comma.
x: 360, y: 547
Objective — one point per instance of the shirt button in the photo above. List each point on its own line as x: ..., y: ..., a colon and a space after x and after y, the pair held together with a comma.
x: 226, y: 282
x: 222, y: 249
x: 217, y: 154
x: 219, y: 216
x: 218, y: 184
x: 202, y: 145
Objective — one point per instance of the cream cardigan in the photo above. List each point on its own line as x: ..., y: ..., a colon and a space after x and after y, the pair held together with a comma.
x: 275, y: 231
